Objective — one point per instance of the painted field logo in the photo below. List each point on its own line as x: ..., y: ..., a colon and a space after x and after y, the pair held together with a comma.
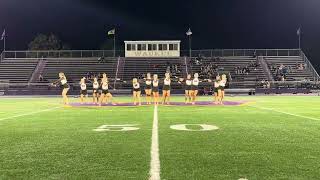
x: 122, y: 127
x: 194, y: 127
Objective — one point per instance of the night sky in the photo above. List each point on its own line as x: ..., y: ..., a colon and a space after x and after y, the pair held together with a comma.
x: 215, y: 23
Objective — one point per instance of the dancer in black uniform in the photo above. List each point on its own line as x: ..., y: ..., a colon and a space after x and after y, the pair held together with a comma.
x: 136, y: 91
x: 105, y: 96
x: 166, y: 89
x: 194, y: 88
x: 222, y: 85
x: 83, y: 91
x: 65, y: 87
x: 148, y: 88
x: 155, y: 89
x: 216, y: 85
x: 187, y: 89
x: 95, y: 92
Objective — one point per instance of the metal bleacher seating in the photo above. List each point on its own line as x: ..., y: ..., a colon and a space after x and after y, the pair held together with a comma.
x: 17, y: 70
x: 293, y: 62
x: 228, y: 64
x: 26, y: 70
x: 135, y: 67
x: 75, y: 68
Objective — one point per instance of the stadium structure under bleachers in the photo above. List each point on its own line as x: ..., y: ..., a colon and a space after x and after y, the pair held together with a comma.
x: 246, y: 69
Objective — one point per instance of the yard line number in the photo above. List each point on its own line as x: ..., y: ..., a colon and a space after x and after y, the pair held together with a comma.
x: 178, y: 127
x: 122, y: 127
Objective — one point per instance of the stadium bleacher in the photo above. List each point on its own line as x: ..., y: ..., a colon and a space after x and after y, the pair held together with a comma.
x: 227, y: 65
x: 137, y: 67
x: 76, y: 68
x: 17, y: 70
x: 26, y: 70
x: 290, y: 63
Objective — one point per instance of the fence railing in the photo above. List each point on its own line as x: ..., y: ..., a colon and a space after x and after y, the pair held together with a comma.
x: 109, y: 53
x: 242, y: 52
x: 315, y: 74
x: 61, y: 54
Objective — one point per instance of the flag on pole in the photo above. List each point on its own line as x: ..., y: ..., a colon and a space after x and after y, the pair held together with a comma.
x: 112, y: 32
x: 3, y: 35
x: 189, y: 32
x: 299, y: 31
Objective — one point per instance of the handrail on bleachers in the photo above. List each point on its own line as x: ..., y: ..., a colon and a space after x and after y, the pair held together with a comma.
x: 316, y: 76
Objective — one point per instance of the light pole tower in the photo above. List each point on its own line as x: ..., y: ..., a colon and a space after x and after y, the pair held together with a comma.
x: 189, y: 33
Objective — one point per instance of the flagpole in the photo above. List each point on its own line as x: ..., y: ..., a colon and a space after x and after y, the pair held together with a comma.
x: 4, y: 43
x: 300, y: 41
x: 190, y: 49
x: 3, y: 38
x: 114, y: 44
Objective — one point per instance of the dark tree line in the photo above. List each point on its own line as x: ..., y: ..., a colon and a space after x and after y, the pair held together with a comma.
x: 53, y: 42
x: 47, y: 42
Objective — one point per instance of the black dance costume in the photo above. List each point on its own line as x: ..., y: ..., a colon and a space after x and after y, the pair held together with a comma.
x: 148, y: 84
x: 63, y: 83
x: 195, y: 84
x: 136, y: 87
x: 105, y: 88
x: 188, y: 84
x: 166, y: 85
x: 155, y: 86
x: 83, y: 90
x: 95, y: 86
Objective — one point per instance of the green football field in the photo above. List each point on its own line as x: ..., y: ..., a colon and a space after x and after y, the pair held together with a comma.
x: 271, y: 137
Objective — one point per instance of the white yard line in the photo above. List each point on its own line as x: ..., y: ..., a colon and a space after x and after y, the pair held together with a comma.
x: 287, y: 113
x: 155, y: 160
x: 30, y: 113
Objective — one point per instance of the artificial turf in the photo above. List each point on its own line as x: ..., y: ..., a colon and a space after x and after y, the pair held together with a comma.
x: 273, y: 137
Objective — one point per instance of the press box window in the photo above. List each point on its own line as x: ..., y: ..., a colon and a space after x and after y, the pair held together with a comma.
x: 152, y: 47
x: 131, y: 47
x: 173, y: 47
x: 142, y: 47
x: 163, y: 47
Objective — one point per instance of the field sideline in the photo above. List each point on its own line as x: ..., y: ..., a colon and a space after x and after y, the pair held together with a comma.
x: 271, y: 137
